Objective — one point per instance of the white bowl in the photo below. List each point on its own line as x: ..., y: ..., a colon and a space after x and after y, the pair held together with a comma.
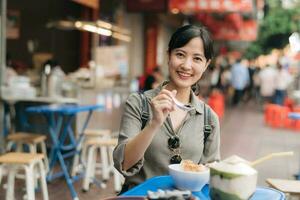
x: 187, y: 180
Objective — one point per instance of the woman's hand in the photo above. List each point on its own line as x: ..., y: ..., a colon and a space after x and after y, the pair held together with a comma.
x: 162, y: 105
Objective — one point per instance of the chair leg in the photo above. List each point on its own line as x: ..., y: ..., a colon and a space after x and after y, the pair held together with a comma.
x: 94, y: 164
x: 84, y: 153
x: 110, y: 150
x: 33, y: 149
x: 19, y: 147
x: 10, y: 192
x: 79, y: 162
x: 43, y: 180
x: 9, y: 146
x: 30, y: 181
x: 75, y: 166
x: 89, y: 168
x: 44, y: 151
x: 104, y: 162
x: 116, y: 174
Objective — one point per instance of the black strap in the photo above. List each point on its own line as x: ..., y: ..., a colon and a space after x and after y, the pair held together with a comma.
x: 145, y: 110
x: 207, y: 129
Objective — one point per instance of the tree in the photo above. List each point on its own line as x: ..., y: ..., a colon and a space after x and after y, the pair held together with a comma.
x: 274, y: 29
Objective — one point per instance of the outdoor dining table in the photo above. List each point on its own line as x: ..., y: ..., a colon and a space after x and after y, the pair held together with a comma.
x: 65, y: 144
x: 166, y: 183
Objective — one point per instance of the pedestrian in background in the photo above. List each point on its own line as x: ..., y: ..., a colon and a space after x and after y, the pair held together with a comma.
x: 283, y: 79
x: 239, y: 80
x: 266, y: 80
x: 153, y: 79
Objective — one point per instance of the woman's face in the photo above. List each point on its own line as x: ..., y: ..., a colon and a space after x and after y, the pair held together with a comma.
x: 187, y: 63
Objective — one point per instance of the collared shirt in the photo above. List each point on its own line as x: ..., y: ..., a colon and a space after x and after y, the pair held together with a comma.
x: 157, y: 156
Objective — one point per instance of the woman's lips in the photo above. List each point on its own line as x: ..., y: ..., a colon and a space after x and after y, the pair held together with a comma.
x: 183, y: 75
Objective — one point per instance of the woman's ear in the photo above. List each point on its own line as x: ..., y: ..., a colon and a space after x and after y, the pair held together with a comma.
x: 207, y: 63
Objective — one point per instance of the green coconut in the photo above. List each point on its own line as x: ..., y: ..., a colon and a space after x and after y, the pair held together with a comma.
x: 232, y: 179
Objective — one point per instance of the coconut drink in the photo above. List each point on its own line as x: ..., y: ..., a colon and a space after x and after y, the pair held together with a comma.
x: 232, y: 179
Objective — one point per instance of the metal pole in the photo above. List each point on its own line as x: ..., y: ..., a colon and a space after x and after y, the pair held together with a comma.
x: 3, y: 5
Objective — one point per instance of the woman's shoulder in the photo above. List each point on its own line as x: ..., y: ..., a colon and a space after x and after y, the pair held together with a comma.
x: 134, y: 97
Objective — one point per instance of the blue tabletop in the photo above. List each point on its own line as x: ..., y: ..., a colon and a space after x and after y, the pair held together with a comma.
x: 166, y: 182
x: 66, y: 109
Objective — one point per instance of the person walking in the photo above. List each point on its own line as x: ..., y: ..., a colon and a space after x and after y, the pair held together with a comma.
x: 283, y: 80
x: 267, y: 81
x: 239, y: 80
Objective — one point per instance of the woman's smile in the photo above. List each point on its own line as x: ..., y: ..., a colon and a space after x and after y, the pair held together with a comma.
x: 184, y: 75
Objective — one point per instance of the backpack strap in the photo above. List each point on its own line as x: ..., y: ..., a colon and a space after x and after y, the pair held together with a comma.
x: 145, y: 110
x: 207, y: 129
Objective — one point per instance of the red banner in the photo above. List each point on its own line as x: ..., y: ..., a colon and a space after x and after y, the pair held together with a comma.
x: 231, y: 27
x: 194, y: 6
x: 146, y: 5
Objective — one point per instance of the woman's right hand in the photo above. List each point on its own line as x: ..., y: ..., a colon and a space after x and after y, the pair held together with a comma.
x: 162, y: 105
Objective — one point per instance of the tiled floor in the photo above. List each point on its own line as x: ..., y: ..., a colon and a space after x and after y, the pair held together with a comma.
x: 243, y: 133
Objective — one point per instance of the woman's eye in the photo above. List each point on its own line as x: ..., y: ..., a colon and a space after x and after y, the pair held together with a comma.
x: 198, y: 59
x: 180, y: 55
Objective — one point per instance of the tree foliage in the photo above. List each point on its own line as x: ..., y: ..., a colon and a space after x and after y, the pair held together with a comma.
x: 274, y: 30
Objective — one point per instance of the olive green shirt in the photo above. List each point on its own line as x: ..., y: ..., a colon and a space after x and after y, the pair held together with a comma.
x: 157, y: 156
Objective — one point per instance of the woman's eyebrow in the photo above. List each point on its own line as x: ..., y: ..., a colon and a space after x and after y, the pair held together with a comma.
x: 199, y: 54
x: 179, y: 50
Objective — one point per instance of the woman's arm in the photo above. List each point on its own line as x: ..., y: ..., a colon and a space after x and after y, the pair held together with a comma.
x: 161, y: 106
x: 136, y: 147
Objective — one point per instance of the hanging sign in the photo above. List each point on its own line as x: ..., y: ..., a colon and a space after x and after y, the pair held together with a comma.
x: 194, y: 6
x: 231, y: 26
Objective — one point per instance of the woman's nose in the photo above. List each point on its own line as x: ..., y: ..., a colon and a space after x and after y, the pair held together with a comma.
x: 187, y: 63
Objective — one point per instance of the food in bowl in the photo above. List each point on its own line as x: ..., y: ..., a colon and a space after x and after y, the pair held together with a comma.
x: 188, y: 165
x: 232, y: 179
x: 185, y: 178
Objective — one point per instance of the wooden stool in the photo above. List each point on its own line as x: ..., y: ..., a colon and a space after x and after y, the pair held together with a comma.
x: 32, y: 141
x: 88, y: 134
x: 31, y: 163
x: 289, y: 187
x: 97, y: 132
x: 105, y: 167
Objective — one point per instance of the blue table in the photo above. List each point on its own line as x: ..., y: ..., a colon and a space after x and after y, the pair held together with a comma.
x: 65, y: 144
x: 166, y: 182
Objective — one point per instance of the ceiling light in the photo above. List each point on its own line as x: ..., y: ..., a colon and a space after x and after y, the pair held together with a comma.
x: 123, y: 37
x: 99, y: 27
x: 78, y: 24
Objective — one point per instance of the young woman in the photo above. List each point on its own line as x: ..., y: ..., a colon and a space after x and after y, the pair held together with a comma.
x: 171, y: 134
